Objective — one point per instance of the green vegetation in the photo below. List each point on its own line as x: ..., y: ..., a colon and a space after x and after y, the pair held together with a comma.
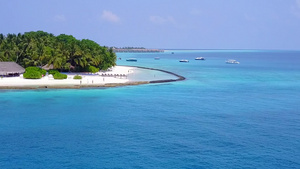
x: 34, y: 73
x: 53, y: 71
x: 59, y: 76
x: 93, y: 69
x: 42, y: 71
x: 56, y: 74
x: 64, y: 52
x: 77, y: 77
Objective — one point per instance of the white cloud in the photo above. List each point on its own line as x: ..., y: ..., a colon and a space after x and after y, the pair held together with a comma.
x: 296, y: 8
x: 157, y: 19
x: 109, y: 16
x: 298, y: 3
x: 60, y: 18
x: 162, y: 20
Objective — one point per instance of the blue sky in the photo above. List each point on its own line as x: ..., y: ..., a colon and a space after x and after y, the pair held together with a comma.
x: 171, y: 24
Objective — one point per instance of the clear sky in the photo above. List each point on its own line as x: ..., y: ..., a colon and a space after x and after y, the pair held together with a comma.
x: 169, y: 24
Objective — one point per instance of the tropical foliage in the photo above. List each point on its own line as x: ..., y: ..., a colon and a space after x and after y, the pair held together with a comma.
x: 59, y: 76
x: 93, y: 69
x: 77, y: 77
x: 56, y: 74
x: 64, y: 52
x: 53, y: 71
x: 34, y: 73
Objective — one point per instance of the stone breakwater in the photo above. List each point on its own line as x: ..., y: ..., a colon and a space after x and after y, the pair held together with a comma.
x: 179, y: 77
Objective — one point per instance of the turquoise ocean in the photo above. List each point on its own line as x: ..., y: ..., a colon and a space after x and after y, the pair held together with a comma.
x: 243, y: 115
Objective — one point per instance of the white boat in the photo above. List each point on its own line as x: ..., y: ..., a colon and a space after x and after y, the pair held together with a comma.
x: 199, y: 58
x: 184, y: 60
x: 131, y: 59
x: 231, y: 61
x: 156, y: 58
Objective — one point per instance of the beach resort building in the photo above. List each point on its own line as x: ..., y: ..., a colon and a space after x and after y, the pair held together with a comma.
x: 10, y: 69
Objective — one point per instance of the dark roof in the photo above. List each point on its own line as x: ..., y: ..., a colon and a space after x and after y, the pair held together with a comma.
x: 10, y: 68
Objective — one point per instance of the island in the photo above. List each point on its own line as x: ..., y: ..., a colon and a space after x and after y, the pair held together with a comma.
x: 136, y: 50
x: 41, y: 60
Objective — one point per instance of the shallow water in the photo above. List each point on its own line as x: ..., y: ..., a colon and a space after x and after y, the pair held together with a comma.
x: 222, y: 116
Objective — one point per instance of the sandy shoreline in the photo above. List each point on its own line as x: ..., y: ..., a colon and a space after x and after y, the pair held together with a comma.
x: 118, y: 76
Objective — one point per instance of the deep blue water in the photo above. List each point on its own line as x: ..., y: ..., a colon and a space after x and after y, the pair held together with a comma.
x: 222, y: 116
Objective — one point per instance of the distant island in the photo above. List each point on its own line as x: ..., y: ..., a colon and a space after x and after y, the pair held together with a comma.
x: 136, y: 50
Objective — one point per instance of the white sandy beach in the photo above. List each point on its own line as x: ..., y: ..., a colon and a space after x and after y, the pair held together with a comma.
x: 101, y: 78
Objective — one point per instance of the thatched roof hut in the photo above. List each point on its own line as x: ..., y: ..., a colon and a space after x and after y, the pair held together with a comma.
x: 47, y: 67
x: 10, y: 69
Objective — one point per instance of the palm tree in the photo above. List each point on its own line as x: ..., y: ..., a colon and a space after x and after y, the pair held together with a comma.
x: 63, y: 51
x: 56, y: 59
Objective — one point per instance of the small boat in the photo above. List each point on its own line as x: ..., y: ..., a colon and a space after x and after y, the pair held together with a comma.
x: 131, y: 59
x: 156, y: 58
x: 199, y: 58
x: 172, y: 52
x: 184, y: 60
x: 231, y: 61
